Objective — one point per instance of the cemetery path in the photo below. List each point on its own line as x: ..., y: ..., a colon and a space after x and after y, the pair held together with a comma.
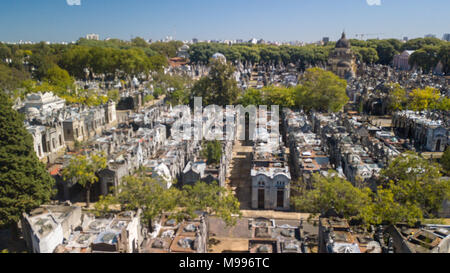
x: 239, y: 179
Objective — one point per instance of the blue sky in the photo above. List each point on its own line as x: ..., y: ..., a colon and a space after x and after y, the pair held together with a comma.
x: 281, y: 20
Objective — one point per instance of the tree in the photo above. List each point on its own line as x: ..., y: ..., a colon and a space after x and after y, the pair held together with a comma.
x: 157, y: 63
x: 444, y: 57
x: 5, y: 52
x: 178, y: 97
x: 252, y: 97
x: 11, y: 78
x: 419, y: 43
x: 415, y: 181
x: 445, y: 161
x: 367, y: 55
x: 321, y: 90
x: 385, y: 50
x: 139, y: 42
x: 145, y: 193
x: 167, y: 49
x: 219, y: 87
x: 397, y: 97
x: 444, y: 104
x: 83, y: 170
x: 212, y: 151
x: 424, y: 99
x: 353, y: 203
x: 211, y: 198
x: 41, y: 63
x: 59, y: 77
x: 148, y: 98
x: 282, y: 96
x: 333, y: 192
x: 158, y: 92
x: 387, y: 210
x: 427, y: 58
x: 24, y: 182
x: 149, y: 195
x: 76, y: 60
x: 397, y: 44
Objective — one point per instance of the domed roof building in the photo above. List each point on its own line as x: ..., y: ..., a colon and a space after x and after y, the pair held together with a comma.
x: 183, y: 52
x: 343, y: 42
x: 342, y: 61
x: 219, y: 56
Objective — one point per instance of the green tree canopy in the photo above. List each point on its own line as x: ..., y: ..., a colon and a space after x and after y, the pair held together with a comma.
x: 444, y: 57
x: 11, y: 78
x: 366, y: 55
x: 321, y: 90
x: 149, y: 195
x: 282, y: 96
x: 427, y: 58
x: 385, y: 50
x: 24, y: 182
x: 418, y: 43
x: 333, y: 192
x: 212, y: 151
x: 59, y: 77
x: 219, y: 87
x: 252, y: 97
x: 386, y: 209
x: 397, y: 97
x: 415, y: 181
x: 445, y: 160
x: 83, y: 170
x: 424, y: 99
x: 211, y: 198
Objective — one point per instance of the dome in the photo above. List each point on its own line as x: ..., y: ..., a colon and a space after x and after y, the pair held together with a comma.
x: 184, y: 47
x: 343, y: 42
x: 219, y: 56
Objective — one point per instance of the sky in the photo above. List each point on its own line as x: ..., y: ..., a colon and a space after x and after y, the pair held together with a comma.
x: 272, y: 20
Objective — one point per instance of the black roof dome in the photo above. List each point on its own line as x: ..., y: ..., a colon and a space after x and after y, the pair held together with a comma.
x: 343, y: 42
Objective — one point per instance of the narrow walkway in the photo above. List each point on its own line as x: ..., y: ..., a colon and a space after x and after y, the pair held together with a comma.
x: 240, y: 180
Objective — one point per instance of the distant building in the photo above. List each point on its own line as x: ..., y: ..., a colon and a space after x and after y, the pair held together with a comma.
x: 183, y: 52
x: 95, y: 37
x: 430, y: 36
x: 219, y: 56
x: 326, y: 40
x: 253, y: 41
x: 401, y: 61
x: 446, y: 37
x: 405, y: 39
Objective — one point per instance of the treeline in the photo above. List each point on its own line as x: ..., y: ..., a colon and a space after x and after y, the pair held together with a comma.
x: 429, y: 52
x: 310, y: 54
x: 109, y: 62
x: 54, y: 67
